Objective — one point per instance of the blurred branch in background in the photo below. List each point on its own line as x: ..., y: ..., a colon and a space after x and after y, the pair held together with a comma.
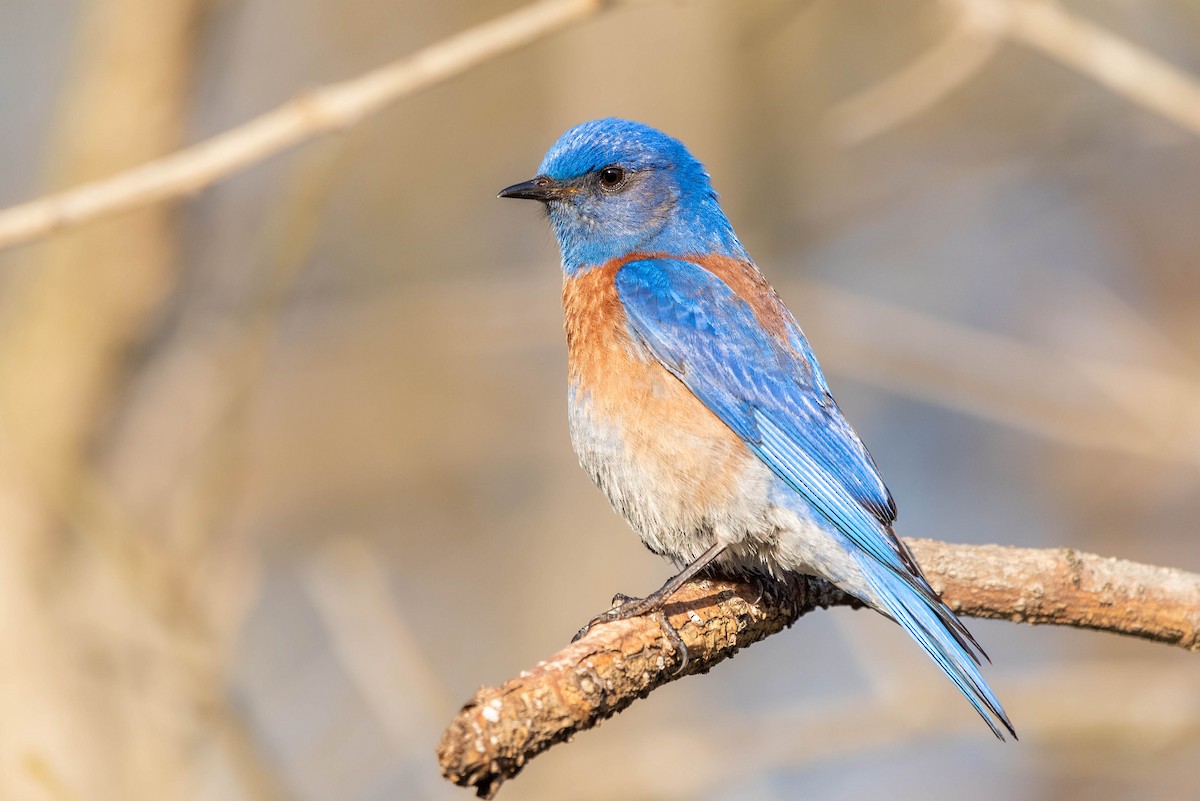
x: 158, y: 599
x: 980, y: 26
x: 1140, y: 410
x: 184, y: 482
x: 73, y: 310
x: 372, y: 640
x: 974, y: 37
x: 316, y: 112
x: 501, y: 728
x: 1149, y: 409
x: 1133, y: 72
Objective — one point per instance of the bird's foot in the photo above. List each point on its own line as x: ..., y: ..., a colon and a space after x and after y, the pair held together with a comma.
x: 625, y: 607
x: 766, y: 585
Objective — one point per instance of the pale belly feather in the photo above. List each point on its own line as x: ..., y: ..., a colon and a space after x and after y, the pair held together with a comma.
x: 669, y: 466
x: 678, y: 475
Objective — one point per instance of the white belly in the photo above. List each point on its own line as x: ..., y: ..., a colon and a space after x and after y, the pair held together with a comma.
x: 679, y: 488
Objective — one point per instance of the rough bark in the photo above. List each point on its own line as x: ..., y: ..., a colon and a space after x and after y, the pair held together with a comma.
x: 501, y: 728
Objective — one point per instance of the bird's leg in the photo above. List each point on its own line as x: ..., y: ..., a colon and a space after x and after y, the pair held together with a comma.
x: 627, y: 607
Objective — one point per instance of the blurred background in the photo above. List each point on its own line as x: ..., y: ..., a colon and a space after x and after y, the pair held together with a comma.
x: 284, y: 467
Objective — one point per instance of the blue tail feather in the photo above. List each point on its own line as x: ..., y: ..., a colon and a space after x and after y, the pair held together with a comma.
x: 928, y: 625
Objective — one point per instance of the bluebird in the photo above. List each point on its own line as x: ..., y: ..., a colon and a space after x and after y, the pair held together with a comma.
x: 698, y: 407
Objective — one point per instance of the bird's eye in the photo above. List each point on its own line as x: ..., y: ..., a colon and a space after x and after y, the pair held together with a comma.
x: 611, y: 177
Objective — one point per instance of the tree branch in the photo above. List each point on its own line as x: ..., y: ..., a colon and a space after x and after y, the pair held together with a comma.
x: 317, y: 112
x: 1135, y: 73
x: 501, y: 728
x: 1131, y: 71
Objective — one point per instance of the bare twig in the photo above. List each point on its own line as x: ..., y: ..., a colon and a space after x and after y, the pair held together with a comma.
x: 1137, y: 74
x: 974, y: 38
x: 1148, y: 412
x: 1133, y: 72
x: 1066, y: 588
x: 501, y: 728
x: 320, y: 111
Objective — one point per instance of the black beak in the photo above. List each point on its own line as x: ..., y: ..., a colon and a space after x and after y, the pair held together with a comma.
x: 540, y: 188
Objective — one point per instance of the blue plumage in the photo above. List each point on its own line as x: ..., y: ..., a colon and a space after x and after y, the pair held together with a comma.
x: 667, y: 206
x: 751, y: 464
x: 710, y: 339
x: 773, y: 398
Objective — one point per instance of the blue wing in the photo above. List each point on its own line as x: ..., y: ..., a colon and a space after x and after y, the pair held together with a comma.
x: 771, y: 393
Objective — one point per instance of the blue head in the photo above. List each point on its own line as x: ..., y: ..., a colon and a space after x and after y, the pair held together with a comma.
x: 613, y: 187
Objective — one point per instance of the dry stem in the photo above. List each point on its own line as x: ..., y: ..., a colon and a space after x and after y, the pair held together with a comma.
x: 321, y: 111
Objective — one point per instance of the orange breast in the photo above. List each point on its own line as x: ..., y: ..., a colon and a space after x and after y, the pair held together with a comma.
x: 666, y: 462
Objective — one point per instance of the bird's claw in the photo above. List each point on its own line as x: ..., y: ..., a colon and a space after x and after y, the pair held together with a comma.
x: 622, y: 608
x: 625, y: 607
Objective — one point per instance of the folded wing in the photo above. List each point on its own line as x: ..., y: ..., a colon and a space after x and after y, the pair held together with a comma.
x: 769, y: 390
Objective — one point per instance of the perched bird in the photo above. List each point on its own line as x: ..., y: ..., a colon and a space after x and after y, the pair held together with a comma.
x: 697, y: 405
